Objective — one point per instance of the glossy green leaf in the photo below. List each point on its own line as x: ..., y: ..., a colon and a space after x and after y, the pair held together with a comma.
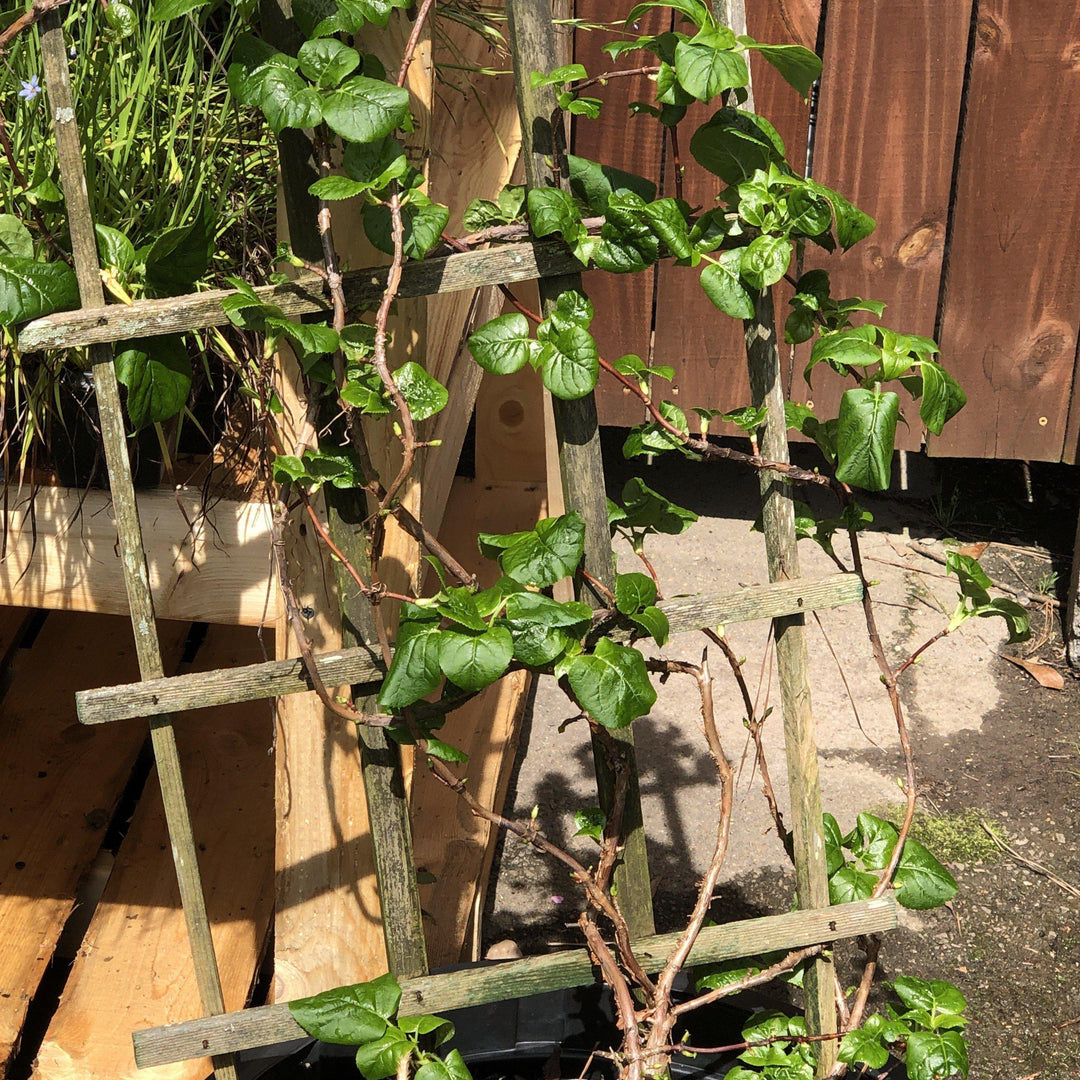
x: 694, y: 10
x: 705, y: 71
x: 724, y: 285
x: 865, y: 438
x: 473, y: 661
x: 864, y: 1045
x: 460, y: 606
x: 363, y: 110
x: 380, y: 1059
x: 180, y: 256
x: 873, y: 841
x: 921, y: 881
x: 15, y: 238
x: 326, y: 61
x: 546, y: 554
x: 593, y: 182
x: 157, y: 374
x: 612, y: 684
x: 852, y: 225
x: 645, y: 509
x: 552, y: 210
x: 30, y: 289
x: 425, y: 396
x: 414, y: 671
x: 375, y: 164
x: 349, y: 1015
x: 537, y: 645
x: 434, y: 1029
x: 570, y: 362
x: 654, y: 623
x: 932, y: 995
x: 942, y: 397
x: 765, y: 261
x: 850, y: 883
x: 163, y: 10
x: 544, y: 611
x: 634, y: 592
x: 503, y: 345
x: 834, y: 854
x: 115, y: 250
x: 452, y: 1068
x: 933, y: 1055
x: 422, y: 220
x: 121, y: 19
x: 275, y: 88
x: 1016, y: 618
x: 590, y: 821
x: 799, y: 67
x: 734, y: 144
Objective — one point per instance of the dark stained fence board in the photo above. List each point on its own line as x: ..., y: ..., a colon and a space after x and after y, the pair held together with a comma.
x: 703, y: 345
x: 1012, y: 305
x: 887, y: 119
x: 623, y: 301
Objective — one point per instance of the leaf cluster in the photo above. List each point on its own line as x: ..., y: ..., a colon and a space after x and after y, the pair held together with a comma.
x: 365, y: 1016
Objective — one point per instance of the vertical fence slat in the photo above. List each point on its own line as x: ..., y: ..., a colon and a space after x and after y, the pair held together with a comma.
x: 532, y: 42
x: 886, y: 136
x: 1011, y: 306
x: 87, y: 267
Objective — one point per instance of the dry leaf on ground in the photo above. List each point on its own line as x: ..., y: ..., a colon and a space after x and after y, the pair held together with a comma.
x: 1043, y: 674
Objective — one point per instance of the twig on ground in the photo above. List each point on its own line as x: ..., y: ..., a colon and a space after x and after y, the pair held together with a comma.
x: 1030, y: 863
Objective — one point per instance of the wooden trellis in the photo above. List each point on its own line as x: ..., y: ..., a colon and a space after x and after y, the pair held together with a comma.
x: 786, y: 601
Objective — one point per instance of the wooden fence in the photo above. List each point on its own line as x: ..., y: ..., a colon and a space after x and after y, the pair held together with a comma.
x: 954, y: 124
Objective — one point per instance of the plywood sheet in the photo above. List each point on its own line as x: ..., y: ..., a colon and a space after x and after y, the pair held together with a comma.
x: 134, y: 969
x: 1011, y: 304
x: 59, y: 786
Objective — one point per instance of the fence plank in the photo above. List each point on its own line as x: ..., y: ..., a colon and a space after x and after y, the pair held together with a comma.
x: 519, y: 978
x: 1011, y: 305
x: 913, y: 95
x: 623, y: 302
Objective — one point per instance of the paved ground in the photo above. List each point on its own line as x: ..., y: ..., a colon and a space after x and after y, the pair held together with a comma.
x: 992, y: 744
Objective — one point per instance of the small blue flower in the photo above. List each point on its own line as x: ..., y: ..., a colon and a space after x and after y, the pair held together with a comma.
x: 31, y: 89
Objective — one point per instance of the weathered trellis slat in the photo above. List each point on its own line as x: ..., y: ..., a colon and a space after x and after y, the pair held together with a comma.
x: 520, y: 978
x: 532, y: 45
x: 363, y: 664
x: 147, y: 645
x: 505, y: 264
x: 792, y: 662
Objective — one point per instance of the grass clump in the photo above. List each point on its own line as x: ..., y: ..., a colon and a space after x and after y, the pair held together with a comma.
x: 955, y: 838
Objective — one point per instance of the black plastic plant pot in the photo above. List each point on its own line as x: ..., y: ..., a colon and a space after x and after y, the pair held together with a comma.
x: 544, y: 1037
x: 77, y: 450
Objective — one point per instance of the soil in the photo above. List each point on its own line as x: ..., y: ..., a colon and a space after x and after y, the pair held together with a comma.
x: 1011, y: 938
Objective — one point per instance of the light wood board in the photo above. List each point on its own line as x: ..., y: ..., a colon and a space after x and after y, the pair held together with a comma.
x: 134, y: 967
x: 59, y: 786
x: 448, y: 841
x: 208, y: 561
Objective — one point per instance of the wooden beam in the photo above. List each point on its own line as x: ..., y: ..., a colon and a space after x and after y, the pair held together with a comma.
x: 208, y: 561
x: 361, y: 665
x: 363, y: 288
x: 520, y: 978
x: 132, y: 967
